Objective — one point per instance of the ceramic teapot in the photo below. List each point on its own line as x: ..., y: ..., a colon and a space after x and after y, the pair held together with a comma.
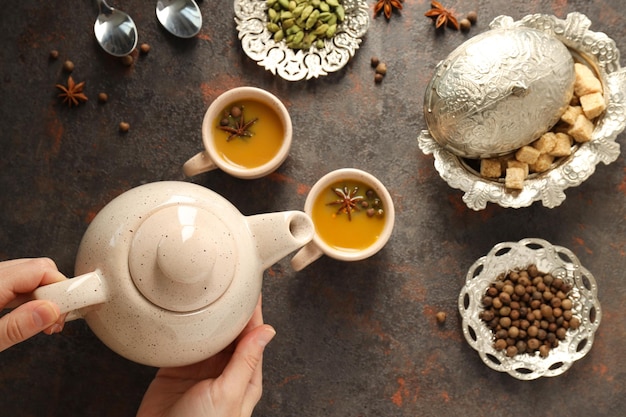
x: 169, y: 273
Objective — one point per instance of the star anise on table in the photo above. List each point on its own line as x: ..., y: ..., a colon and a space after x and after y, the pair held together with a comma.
x: 442, y: 16
x: 387, y: 7
x: 73, y: 93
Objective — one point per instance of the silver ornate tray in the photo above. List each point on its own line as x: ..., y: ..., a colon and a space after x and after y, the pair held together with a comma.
x: 295, y: 65
x: 556, y: 260
x: 599, y: 51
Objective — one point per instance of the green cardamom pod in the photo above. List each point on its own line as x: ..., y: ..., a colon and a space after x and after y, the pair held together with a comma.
x: 340, y: 12
x: 273, y: 27
x: 331, y: 31
x: 306, y: 12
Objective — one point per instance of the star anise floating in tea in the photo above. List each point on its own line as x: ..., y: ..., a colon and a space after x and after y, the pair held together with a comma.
x: 442, y: 16
x: 72, y: 94
x: 387, y: 7
x: 235, y: 124
x: 348, y: 200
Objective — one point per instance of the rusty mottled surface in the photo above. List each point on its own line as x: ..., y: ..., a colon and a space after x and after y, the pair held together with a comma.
x: 355, y: 339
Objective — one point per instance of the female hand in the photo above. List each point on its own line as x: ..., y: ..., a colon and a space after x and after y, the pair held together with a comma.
x: 228, y: 384
x: 19, y: 277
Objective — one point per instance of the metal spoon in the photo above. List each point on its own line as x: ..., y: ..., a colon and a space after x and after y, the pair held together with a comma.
x: 115, y: 30
x: 181, y: 18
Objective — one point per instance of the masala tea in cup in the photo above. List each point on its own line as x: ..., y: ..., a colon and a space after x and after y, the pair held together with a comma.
x: 353, y: 216
x: 246, y: 132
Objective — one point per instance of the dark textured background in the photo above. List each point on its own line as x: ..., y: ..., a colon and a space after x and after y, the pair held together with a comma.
x: 355, y: 339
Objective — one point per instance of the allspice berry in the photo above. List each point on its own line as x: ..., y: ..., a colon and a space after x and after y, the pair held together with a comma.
x: 441, y: 317
x: 128, y: 60
x: 124, y: 127
x: 68, y: 66
x: 103, y: 97
x: 472, y: 17
x: 374, y: 61
x: 54, y: 54
x: 465, y: 24
x: 378, y: 78
x: 144, y: 48
x: 381, y: 68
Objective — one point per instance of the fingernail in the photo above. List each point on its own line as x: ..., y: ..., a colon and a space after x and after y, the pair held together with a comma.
x: 267, y: 335
x: 55, y: 328
x: 45, y: 315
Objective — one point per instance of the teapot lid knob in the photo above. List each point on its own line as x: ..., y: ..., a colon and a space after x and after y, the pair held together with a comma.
x: 173, y: 255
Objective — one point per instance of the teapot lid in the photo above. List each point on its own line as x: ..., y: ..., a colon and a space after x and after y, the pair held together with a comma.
x: 173, y: 254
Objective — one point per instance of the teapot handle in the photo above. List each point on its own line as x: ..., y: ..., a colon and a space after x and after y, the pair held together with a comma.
x: 70, y: 295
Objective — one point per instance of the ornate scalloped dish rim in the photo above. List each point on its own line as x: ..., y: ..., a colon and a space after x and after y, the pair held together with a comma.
x: 549, y: 187
x: 296, y: 65
x: 507, y: 256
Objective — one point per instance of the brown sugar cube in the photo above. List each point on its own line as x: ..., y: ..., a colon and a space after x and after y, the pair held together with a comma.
x: 490, y: 168
x: 561, y: 127
x: 545, y: 143
x: 582, y: 129
x: 593, y: 105
x: 543, y: 163
x: 571, y: 113
x: 527, y: 154
x: 586, y: 81
x: 563, y: 146
x: 514, y: 163
x: 514, y: 178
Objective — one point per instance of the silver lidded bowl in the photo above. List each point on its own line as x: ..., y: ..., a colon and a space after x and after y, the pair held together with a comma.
x: 499, y: 91
x: 461, y: 129
x: 560, y: 263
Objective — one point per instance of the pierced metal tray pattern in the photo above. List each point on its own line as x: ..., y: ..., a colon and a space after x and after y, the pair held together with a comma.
x: 601, y: 52
x: 295, y: 65
x: 556, y: 260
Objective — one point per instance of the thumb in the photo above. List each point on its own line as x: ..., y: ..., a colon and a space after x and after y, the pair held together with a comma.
x: 246, y: 359
x: 26, y: 321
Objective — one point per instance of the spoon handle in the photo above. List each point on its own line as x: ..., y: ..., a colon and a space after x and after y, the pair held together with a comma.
x: 104, y: 8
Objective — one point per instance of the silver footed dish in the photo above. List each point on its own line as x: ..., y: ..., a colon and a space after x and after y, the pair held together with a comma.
x: 558, y: 262
x: 251, y: 17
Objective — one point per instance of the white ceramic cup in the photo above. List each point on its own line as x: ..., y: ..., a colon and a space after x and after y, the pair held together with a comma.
x: 318, y: 247
x: 209, y: 159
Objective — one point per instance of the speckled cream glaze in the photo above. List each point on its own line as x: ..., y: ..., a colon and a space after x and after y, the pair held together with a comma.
x: 146, y: 333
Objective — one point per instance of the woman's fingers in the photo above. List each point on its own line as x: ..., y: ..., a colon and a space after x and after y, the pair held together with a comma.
x: 27, y: 320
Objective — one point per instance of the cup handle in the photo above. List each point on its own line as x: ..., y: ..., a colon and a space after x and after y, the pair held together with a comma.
x: 199, y: 163
x: 305, y: 256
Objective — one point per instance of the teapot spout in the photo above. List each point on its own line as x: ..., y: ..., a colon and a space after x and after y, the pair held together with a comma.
x: 278, y: 234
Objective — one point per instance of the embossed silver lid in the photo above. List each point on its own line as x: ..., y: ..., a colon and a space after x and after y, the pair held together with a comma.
x: 499, y: 91
x: 599, y: 52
